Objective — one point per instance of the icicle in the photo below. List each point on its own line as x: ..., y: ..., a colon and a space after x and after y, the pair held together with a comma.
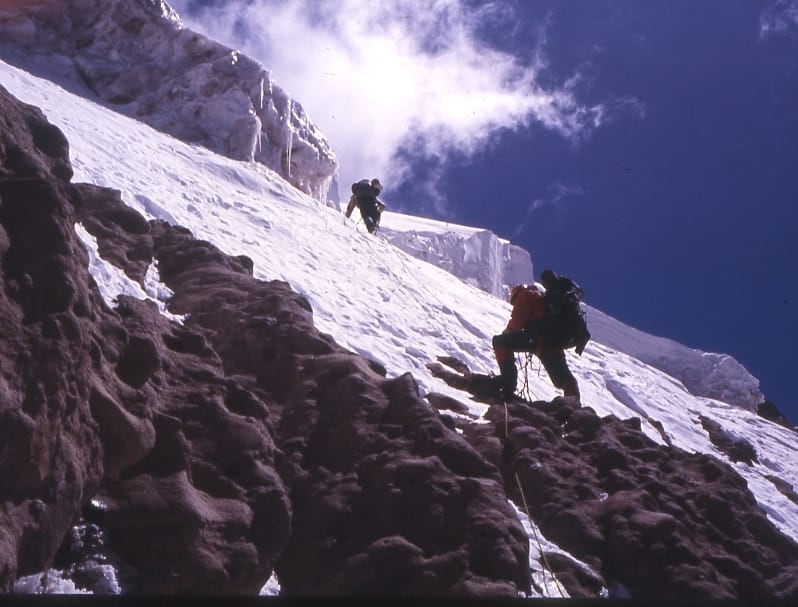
x: 289, y: 135
x: 324, y: 190
x: 261, y: 94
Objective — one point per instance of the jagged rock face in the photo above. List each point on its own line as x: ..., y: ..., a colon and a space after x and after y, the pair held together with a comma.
x: 385, y: 498
x: 136, y: 56
x: 214, y: 452
x: 661, y: 522
x: 770, y: 412
x: 49, y: 442
x: 121, y: 406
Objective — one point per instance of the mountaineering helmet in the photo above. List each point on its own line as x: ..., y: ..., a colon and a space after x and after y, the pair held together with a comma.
x: 376, y: 183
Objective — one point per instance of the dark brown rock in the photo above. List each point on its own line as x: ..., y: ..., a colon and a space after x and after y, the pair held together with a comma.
x: 50, y: 451
x: 389, y: 496
x: 179, y: 431
x: 97, y: 405
x: 651, y: 521
x: 736, y: 449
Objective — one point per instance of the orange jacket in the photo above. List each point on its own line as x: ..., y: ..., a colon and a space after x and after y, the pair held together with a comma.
x: 529, y: 304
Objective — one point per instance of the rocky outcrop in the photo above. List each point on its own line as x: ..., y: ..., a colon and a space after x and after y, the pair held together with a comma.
x: 136, y: 56
x: 50, y: 449
x: 120, y: 406
x: 771, y: 412
x: 735, y: 448
x: 214, y: 452
x: 653, y: 520
x: 377, y: 483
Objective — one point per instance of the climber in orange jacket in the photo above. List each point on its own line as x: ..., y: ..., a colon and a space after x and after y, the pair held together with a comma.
x: 528, y: 331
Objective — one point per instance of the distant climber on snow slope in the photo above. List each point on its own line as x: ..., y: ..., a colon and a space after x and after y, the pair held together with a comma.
x: 364, y: 197
x: 546, y: 319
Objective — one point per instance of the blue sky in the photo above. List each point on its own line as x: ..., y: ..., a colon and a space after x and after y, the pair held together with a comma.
x: 683, y: 220
x: 647, y: 149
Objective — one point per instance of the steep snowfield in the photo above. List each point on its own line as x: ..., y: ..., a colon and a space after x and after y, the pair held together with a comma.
x: 374, y: 298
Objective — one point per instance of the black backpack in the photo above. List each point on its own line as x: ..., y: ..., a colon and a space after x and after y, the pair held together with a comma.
x: 364, y: 190
x: 565, y: 316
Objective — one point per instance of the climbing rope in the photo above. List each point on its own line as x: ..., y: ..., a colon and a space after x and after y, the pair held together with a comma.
x: 546, y: 567
x: 525, y: 393
x: 524, y: 363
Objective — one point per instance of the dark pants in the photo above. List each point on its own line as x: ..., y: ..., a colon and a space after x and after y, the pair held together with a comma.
x: 553, y: 360
x: 370, y: 214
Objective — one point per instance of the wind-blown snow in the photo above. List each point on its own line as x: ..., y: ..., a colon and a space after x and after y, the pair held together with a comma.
x: 374, y: 298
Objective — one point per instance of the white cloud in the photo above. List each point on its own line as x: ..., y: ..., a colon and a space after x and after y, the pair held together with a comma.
x: 379, y: 77
x: 558, y: 193
x: 779, y: 18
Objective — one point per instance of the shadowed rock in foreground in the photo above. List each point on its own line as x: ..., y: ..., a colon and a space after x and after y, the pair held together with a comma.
x: 215, y: 452
x: 661, y: 522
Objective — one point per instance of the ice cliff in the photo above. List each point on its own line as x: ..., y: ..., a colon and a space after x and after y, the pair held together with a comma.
x: 137, y: 57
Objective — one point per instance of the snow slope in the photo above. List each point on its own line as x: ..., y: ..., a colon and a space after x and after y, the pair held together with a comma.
x: 374, y: 298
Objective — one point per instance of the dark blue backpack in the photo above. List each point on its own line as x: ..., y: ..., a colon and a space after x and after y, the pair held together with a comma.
x: 567, y: 325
